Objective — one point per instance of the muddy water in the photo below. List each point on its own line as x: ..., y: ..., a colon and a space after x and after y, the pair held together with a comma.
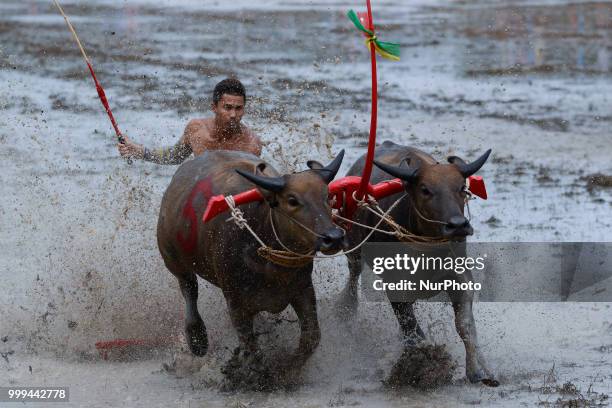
x: 78, y: 256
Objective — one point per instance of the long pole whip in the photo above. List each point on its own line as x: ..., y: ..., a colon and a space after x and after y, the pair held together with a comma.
x: 99, y: 88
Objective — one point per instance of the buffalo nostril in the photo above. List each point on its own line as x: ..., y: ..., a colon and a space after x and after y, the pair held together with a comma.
x: 332, y: 238
x: 336, y: 234
x: 457, y: 221
x: 327, y: 244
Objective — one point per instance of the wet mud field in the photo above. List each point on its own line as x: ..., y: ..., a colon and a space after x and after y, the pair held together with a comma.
x: 78, y: 255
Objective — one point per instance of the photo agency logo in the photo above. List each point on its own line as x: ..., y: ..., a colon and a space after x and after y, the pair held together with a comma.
x: 412, y: 264
x: 529, y: 272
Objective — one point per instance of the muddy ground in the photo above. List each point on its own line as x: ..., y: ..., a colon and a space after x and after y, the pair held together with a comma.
x: 78, y: 256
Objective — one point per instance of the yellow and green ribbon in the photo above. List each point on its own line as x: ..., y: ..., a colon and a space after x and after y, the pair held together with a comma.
x: 387, y: 50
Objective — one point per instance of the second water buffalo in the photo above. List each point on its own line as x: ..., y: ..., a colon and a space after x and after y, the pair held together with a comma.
x: 433, y: 206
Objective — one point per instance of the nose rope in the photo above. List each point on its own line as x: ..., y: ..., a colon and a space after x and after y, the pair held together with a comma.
x: 416, y: 210
x: 342, y: 253
x: 467, y: 205
x: 421, y: 216
x: 401, y: 233
x: 289, y: 258
x: 316, y: 234
x: 309, y: 254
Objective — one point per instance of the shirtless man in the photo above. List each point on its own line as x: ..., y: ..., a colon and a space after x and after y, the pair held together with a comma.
x: 222, y: 132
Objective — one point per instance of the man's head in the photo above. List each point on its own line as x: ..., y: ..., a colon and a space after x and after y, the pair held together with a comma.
x: 229, y: 98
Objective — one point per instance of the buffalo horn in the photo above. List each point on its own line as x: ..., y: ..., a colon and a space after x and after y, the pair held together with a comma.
x: 467, y: 169
x: 329, y: 172
x: 404, y: 173
x: 274, y: 184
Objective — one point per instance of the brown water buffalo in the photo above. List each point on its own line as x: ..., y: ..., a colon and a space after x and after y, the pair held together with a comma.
x: 438, y: 191
x: 226, y: 255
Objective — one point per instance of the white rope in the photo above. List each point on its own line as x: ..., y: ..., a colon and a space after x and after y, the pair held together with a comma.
x: 309, y: 254
x: 238, y: 218
x: 368, y: 202
x: 316, y: 234
x: 364, y: 225
x: 416, y: 210
x: 373, y: 230
x: 382, y: 215
x: 400, y: 231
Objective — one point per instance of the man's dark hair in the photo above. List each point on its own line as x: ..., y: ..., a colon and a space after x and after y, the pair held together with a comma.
x: 230, y: 86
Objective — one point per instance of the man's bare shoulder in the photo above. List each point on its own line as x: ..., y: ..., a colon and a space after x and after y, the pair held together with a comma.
x: 253, y: 141
x: 195, y: 125
x: 198, y: 129
x: 250, y: 133
x: 256, y: 139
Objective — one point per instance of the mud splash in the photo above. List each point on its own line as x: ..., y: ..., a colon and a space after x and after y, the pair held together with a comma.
x: 258, y: 372
x: 78, y: 255
x: 425, y: 367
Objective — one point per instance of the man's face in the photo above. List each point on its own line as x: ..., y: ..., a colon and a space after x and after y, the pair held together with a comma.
x: 229, y: 111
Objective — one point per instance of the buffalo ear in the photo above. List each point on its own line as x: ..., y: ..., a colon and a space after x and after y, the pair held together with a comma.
x: 314, y: 165
x: 467, y: 169
x: 328, y: 173
x: 260, y: 169
x: 455, y: 160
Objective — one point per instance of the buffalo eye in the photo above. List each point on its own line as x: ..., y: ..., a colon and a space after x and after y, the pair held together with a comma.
x: 293, y: 202
x: 425, y: 191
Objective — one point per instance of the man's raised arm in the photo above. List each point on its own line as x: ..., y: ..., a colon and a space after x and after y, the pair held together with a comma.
x: 167, y: 155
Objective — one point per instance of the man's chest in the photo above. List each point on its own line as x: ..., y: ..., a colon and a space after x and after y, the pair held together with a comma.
x: 200, y: 142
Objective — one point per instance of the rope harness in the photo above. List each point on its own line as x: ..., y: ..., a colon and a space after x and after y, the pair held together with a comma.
x: 398, y: 231
x: 286, y: 258
x: 291, y: 259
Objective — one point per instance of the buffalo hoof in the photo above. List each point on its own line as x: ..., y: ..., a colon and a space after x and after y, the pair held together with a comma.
x: 486, y: 379
x: 197, y: 338
x: 490, y: 382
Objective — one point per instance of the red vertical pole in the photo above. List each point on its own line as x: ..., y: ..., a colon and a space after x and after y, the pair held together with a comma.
x: 367, y: 170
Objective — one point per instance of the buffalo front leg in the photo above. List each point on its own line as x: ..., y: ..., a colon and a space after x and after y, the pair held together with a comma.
x: 475, y: 366
x: 411, y: 331
x: 247, y: 367
x: 305, y: 306
x: 242, y: 319
x: 195, y: 330
x: 348, y: 302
